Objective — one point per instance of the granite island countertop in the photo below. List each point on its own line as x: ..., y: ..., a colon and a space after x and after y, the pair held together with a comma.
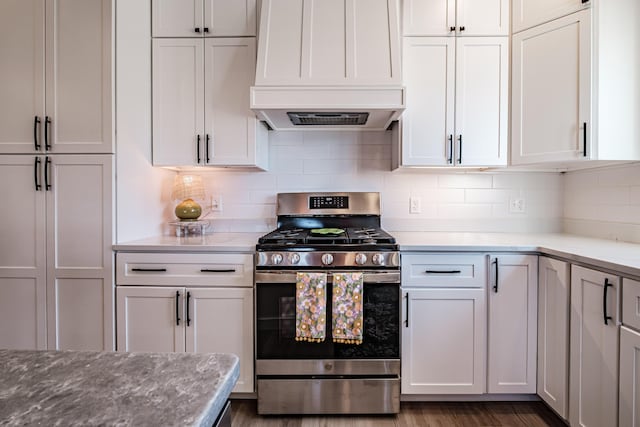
x: 80, y: 388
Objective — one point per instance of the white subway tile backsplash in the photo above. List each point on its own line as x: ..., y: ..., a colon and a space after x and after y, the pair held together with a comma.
x: 465, y: 180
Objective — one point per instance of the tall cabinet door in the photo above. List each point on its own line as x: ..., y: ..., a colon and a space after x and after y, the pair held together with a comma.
x: 483, y: 17
x: 427, y: 123
x: 79, y: 87
x: 212, y: 311
x: 178, y: 102
x: 150, y: 318
x: 22, y: 71
x: 482, y: 96
x: 433, y: 362
x: 177, y: 18
x: 553, y: 334
x: 230, y: 125
x: 79, y: 253
x: 594, y: 348
x: 552, y: 85
x: 22, y: 254
x: 513, y: 304
x: 428, y: 17
x: 629, y: 377
x: 230, y: 18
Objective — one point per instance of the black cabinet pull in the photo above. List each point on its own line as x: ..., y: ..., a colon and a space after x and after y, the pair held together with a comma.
x: 47, y: 122
x: 217, y: 270
x: 584, y: 139
x: 406, y: 320
x: 177, y: 308
x: 462, y: 28
x: 197, y: 29
x: 206, y: 29
x: 47, y: 173
x: 206, y: 148
x: 495, y: 285
x: 198, y: 148
x: 604, y: 302
x: 149, y: 269
x: 443, y: 271
x: 460, y: 149
x: 36, y: 174
x: 585, y: 1
x: 36, y: 125
x: 452, y: 29
x: 450, y: 158
x: 188, y: 317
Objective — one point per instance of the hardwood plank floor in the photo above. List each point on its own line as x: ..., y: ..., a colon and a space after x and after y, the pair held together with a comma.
x: 412, y: 414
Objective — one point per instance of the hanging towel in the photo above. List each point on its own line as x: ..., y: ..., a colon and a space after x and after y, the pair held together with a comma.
x: 311, y: 306
x: 347, y: 308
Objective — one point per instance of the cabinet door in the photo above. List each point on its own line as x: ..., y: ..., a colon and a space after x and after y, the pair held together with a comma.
x: 483, y: 17
x: 594, y: 348
x: 22, y: 71
x: 482, y: 94
x: 553, y: 334
x: 230, y: 18
x: 629, y: 410
x: 528, y: 13
x: 177, y: 18
x: 428, y: 17
x: 513, y: 302
x: 433, y: 362
x: 427, y: 123
x: 552, y: 86
x: 79, y: 88
x: 222, y: 322
x: 230, y: 125
x: 178, y: 102
x: 22, y: 254
x: 79, y: 254
x: 150, y: 318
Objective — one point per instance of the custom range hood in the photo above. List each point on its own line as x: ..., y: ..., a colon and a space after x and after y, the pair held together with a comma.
x: 328, y: 64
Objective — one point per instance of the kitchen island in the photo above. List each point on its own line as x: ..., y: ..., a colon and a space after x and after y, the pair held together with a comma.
x: 73, y: 388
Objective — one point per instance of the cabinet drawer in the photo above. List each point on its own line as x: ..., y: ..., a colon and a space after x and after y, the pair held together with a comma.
x: 171, y: 269
x: 444, y: 270
x: 631, y: 303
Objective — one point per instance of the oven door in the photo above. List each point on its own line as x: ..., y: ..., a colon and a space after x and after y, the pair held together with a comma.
x: 276, y: 319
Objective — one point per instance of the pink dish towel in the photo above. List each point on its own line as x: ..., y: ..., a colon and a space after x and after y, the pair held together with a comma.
x: 311, y: 306
x: 347, y: 307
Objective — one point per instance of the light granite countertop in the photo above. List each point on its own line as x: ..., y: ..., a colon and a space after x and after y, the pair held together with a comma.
x: 214, y: 242
x: 79, y: 388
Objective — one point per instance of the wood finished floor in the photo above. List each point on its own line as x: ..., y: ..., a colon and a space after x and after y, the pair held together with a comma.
x: 412, y: 414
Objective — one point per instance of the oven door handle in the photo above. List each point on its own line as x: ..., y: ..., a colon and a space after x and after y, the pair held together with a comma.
x: 370, y: 277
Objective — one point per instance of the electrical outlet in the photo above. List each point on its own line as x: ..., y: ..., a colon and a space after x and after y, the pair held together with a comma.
x: 216, y: 203
x: 517, y: 205
x: 415, y: 205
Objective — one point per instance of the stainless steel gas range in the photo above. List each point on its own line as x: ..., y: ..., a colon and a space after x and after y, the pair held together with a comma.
x: 331, y: 234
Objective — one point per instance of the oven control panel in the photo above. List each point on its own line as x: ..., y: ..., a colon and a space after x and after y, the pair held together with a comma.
x: 328, y: 202
x: 320, y: 259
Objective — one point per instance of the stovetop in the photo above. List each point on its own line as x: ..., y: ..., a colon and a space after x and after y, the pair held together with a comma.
x: 297, y: 237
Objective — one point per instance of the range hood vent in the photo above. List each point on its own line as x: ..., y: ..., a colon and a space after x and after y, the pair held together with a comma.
x: 328, y: 64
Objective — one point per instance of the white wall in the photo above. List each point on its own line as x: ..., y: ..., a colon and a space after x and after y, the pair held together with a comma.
x: 604, y: 203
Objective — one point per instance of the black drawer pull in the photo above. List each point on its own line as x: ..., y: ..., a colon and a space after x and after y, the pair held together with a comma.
x: 177, y: 308
x: 220, y: 270
x: 604, y: 302
x: 443, y: 271
x: 188, y: 316
x: 149, y: 269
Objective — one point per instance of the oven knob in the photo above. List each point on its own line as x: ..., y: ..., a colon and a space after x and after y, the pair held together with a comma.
x: 276, y: 259
x: 327, y: 259
x: 361, y: 259
x: 294, y: 258
x: 378, y: 259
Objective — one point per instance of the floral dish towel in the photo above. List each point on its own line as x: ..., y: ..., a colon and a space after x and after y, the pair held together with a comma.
x: 311, y: 306
x: 347, y: 307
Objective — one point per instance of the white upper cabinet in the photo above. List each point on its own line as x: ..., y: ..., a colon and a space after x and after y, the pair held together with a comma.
x: 451, y: 17
x: 203, y: 18
x: 57, y: 86
x: 528, y: 13
x: 457, y: 101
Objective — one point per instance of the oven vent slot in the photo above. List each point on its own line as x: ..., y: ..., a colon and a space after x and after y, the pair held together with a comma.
x: 327, y: 119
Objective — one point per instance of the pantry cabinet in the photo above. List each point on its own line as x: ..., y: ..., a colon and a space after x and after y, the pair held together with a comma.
x: 460, y: 17
x: 513, y: 304
x: 529, y: 13
x: 457, y: 101
x: 199, y: 303
x: 594, y: 341
x: 57, y: 270
x: 56, y: 86
x: 553, y: 333
x: 203, y: 18
x: 201, y: 112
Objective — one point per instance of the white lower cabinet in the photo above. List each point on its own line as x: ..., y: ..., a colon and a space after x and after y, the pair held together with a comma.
x: 553, y: 334
x: 629, y: 407
x: 513, y: 303
x: 594, y: 340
